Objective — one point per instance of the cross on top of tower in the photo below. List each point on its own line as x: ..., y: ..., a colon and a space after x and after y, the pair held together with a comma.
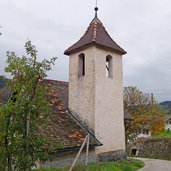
x: 96, y: 9
x: 96, y: 34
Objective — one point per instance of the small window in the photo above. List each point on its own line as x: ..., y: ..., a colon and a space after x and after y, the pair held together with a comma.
x: 109, y: 67
x: 81, y: 65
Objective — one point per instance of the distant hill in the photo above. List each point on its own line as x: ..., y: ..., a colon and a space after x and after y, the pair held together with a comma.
x: 4, y: 95
x: 2, y: 82
x: 166, y: 105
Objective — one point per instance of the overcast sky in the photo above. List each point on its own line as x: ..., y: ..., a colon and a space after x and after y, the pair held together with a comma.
x: 141, y: 27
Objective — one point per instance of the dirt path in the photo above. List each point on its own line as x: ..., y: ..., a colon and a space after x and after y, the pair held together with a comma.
x: 155, y: 165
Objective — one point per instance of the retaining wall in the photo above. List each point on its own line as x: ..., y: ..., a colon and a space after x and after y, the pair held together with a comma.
x: 151, y: 148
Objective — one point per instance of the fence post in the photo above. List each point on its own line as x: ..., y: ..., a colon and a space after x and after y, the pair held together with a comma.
x: 73, y: 164
x: 87, y: 151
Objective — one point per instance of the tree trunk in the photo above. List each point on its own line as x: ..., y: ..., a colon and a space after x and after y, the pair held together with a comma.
x: 9, y: 162
x: 26, y: 141
x: 9, y: 155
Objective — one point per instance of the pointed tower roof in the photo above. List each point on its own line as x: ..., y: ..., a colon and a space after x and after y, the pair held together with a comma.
x: 96, y: 34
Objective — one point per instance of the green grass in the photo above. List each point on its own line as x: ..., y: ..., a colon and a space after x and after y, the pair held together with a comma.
x: 166, y: 134
x: 128, y: 165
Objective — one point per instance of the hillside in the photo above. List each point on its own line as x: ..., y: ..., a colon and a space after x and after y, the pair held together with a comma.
x: 2, y: 82
x: 4, y: 95
x: 166, y: 105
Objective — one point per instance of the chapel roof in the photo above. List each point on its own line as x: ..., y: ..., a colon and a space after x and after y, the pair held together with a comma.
x: 167, y: 117
x: 63, y: 130
x: 63, y: 127
x: 96, y: 34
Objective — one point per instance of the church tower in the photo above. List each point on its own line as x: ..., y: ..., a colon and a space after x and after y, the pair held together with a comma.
x: 96, y: 86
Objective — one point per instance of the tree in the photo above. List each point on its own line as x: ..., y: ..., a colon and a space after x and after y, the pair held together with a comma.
x: 134, y: 99
x: 145, y: 112
x: 26, y: 110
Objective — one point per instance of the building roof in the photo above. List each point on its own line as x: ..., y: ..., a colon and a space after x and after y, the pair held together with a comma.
x: 167, y: 117
x: 96, y: 34
x: 63, y: 126
x: 63, y: 129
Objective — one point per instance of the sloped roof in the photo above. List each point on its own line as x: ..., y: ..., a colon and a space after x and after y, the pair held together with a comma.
x: 167, y: 117
x: 63, y: 127
x: 63, y: 130
x: 96, y: 34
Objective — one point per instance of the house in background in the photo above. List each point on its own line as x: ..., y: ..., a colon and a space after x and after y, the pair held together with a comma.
x: 168, y: 122
x: 166, y: 106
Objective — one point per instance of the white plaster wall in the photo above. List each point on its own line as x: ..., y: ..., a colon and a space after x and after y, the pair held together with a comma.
x: 168, y: 127
x: 141, y: 135
x: 67, y: 158
x: 109, y: 117
x: 82, y: 89
x: 97, y: 100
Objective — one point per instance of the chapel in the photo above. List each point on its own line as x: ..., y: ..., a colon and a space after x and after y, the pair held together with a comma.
x: 91, y: 103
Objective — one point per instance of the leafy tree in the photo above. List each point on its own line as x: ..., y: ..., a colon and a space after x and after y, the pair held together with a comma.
x: 145, y: 112
x: 26, y: 110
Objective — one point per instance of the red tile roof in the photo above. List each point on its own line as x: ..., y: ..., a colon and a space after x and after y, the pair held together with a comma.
x: 63, y: 126
x: 62, y: 129
x: 96, y: 34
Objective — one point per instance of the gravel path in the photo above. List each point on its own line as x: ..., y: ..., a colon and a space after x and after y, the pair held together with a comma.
x: 155, y: 165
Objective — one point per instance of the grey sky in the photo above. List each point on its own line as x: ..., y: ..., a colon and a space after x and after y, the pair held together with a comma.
x: 141, y: 27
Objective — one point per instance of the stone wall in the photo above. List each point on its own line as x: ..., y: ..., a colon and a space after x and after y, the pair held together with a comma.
x: 151, y: 148
x: 111, y: 156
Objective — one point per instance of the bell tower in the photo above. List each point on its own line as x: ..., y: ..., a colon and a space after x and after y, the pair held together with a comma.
x: 96, y: 86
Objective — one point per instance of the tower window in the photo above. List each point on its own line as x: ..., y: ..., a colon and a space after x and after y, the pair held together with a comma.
x: 109, y: 67
x: 81, y: 65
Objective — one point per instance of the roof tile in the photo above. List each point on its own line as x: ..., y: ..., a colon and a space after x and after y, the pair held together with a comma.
x: 61, y: 127
x: 96, y: 34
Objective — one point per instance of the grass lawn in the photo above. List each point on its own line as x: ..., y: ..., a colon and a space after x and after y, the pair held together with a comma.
x: 128, y: 165
x: 166, y: 134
